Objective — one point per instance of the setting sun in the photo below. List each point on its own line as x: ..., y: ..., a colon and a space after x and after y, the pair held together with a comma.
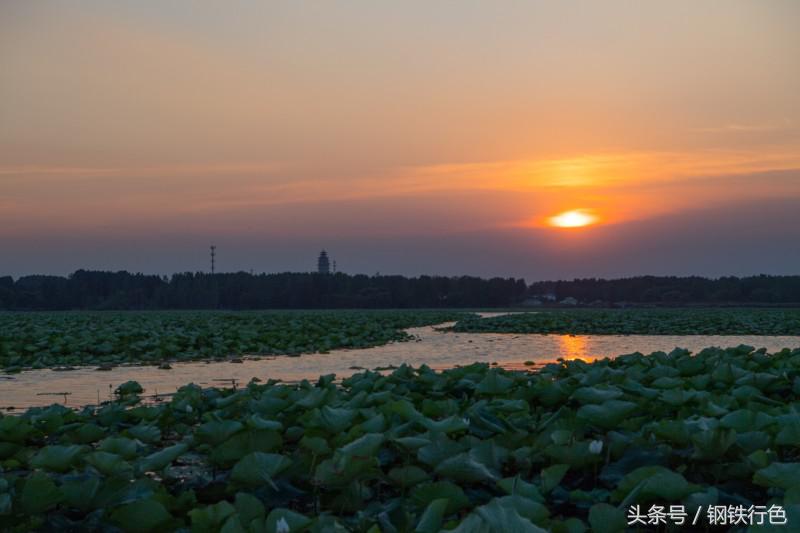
x: 572, y: 219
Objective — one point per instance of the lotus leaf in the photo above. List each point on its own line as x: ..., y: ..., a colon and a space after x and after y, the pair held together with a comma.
x: 499, y: 515
x: 141, y: 516
x: 780, y: 475
x: 58, y: 458
x: 258, y: 468
x: 218, y: 431
x: 248, y: 507
x: 40, y: 494
x: 552, y: 476
x: 109, y: 464
x: 652, y: 483
x: 211, y: 518
x: 160, y: 459
x: 418, y: 449
x: 407, y: 476
x: 286, y: 520
x: 464, y: 467
x: 609, y: 414
x: 605, y: 518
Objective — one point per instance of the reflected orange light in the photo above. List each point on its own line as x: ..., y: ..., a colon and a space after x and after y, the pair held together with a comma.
x: 575, y: 218
x: 575, y: 347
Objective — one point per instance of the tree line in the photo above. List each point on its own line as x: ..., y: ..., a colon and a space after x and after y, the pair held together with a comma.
x: 676, y: 290
x: 123, y: 290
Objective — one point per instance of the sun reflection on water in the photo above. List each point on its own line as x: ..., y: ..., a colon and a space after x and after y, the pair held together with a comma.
x: 575, y: 347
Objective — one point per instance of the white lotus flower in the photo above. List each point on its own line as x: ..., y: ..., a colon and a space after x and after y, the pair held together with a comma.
x: 595, y: 447
x: 282, y: 526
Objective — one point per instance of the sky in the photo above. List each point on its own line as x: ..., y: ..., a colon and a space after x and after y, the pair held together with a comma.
x: 409, y: 137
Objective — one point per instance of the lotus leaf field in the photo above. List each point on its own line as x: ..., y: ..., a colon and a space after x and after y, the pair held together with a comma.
x: 687, y: 321
x: 43, y: 340
x: 471, y: 449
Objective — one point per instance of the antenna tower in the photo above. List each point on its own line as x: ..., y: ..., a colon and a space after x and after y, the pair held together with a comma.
x: 213, y: 255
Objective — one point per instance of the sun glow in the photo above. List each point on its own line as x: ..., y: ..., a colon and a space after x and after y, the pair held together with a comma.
x: 575, y: 347
x: 572, y: 219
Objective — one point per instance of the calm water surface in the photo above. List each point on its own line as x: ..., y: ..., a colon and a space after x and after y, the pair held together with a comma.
x: 437, y: 349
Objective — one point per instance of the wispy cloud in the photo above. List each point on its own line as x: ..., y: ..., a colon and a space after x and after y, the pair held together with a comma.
x: 764, y: 127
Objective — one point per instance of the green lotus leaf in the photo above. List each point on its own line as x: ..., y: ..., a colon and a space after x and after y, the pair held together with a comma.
x: 440, y: 449
x: 285, y: 520
x: 159, y: 460
x: 652, y: 483
x: 147, y: 433
x: 86, y: 434
x: 315, y: 398
x: 341, y: 470
x: 109, y: 464
x: 39, y: 494
x: 751, y: 441
x: 364, y: 446
x: 245, y: 442
x: 412, y: 443
x: 464, y: 467
x: 129, y: 388
x: 5, y: 504
x: 8, y: 449
x: 422, y: 495
x: 376, y: 424
x: 407, y: 476
x: 335, y: 420
x: 431, y: 519
x: 119, y: 491
x: 586, y: 395
x: 210, y: 519
x: 709, y: 445
x: 258, y: 468
x: 217, y: 431
x: 500, y: 514
x: 141, y: 516
x: 233, y: 524
x: 561, y: 436
x: 605, y: 518
x: 780, y: 475
x: 667, y: 383
x: 789, y: 434
x: 677, y: 397
x: 746, y: 420
x: 121, y: 446
x: 451, y: 424
x: 494, y: 383
x: 269, y: 406
x: 316, y: 445
x: 79, y: 491
x: 405, y: 409
x: 672, y: 431
x: 792, y: 496
x: 516, y: 486
x: 576, y: 454
x: 257, y: 422
x: 552, y: 476
x: 58, y: 458
x: 608, y: 415
x: 248, y: 507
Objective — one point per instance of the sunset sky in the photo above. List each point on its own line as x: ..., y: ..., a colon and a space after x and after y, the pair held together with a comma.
x: 406, y: 137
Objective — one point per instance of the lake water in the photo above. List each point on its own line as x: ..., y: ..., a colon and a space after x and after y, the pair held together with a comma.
x: 435, y: 348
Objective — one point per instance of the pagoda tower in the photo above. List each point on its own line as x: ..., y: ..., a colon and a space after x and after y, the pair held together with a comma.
x: 323, y: 264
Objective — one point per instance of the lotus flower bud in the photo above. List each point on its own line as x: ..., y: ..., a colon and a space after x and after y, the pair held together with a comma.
x: 282, y: 526
x: 595, y: 447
